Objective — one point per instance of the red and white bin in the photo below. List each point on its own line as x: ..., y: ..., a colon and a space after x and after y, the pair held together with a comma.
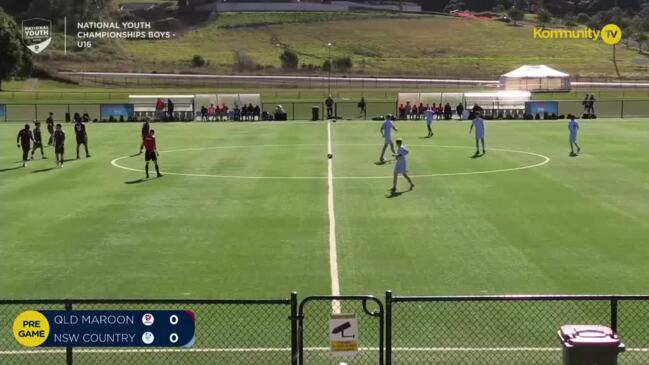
x: 590, y: 345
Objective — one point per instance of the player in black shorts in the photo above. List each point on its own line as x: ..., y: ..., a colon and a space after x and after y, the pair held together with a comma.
x: 145, y: 133
x: 81, y: 134
x: 151, y: 153
x: 38, y: 139
x: 59, y: 145
x: 24, y: 140
x: 50, y: 127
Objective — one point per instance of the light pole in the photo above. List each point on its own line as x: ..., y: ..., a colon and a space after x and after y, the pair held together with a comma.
x: 329, y: 45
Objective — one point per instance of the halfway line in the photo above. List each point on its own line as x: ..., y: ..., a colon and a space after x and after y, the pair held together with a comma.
x: 333, y: 255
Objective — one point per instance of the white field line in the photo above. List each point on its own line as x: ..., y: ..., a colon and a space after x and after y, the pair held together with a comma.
x: 286, y: 349
x: 333, y: 252
x: 545, y: 159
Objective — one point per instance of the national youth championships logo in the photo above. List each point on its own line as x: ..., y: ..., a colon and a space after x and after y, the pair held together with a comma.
x: 610, y: 34
x: 37, y: 34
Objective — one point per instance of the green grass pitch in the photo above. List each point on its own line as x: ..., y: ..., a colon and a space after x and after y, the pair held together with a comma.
x: 242, y: 213
x: 571, y: 225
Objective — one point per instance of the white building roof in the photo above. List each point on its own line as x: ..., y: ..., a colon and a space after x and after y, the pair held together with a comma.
x: 535, y: 71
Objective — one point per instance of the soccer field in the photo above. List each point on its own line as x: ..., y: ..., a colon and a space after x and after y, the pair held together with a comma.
x: 242, y: 212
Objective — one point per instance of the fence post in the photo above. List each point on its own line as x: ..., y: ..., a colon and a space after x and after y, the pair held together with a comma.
x: 294, y: 329
x: 388, y: 327
x: 69, y: 359
x: 622, y: 110
x: 293, y: 106
x: 614, y: 314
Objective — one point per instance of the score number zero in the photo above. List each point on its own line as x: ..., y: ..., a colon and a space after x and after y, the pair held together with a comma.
x: 173, y: 319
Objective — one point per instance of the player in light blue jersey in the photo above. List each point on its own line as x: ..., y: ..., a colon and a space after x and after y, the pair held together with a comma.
x: 386, y: 131
x: 573, y: 128
x: 478, y: 124
x: 429, y: 114
x: 401, y: 167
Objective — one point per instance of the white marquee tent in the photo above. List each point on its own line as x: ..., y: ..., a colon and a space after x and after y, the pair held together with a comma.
x: 535, y: 78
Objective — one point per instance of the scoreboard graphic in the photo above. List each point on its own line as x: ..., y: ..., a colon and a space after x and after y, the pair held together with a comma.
x: 105, y: 328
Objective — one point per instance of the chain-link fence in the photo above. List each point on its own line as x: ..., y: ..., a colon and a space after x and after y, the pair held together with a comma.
x: 506, y: 329
x: 408, y: 330
x: 313, y: 337
x: 227, y: 332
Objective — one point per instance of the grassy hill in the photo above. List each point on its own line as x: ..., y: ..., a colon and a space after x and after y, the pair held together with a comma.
x: 379, y: 44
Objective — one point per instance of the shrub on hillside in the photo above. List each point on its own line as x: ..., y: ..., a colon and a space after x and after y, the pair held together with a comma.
x: 198, y: 61
x: 342, y: 63
x: 289, y: 59
x: 244, y: 62
x: 326, y: 65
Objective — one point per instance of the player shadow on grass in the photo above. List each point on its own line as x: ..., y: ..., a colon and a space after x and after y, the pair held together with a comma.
x: 11, y: 168
x: 381, y: 163
x: 44, y: 170
x: 137, y: 181
x: 396, y: 194
x: 477, y: 155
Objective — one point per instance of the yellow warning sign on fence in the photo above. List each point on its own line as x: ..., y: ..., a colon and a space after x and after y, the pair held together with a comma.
x: 343, y: 334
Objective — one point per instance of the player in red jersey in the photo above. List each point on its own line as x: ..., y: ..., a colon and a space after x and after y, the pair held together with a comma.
x: 151, y: 153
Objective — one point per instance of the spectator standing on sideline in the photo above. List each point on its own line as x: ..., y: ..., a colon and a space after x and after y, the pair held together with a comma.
x: 170, y: 109
x: 211, y: 112
x: 591, y: 105
x: 402, y: 111
x: 448, y: 111
x: 159, y: 109
x: 585, y: 104
x: 459, y: 109
x: 50, y: 127
x: 330, y: 107
x: 256, y: 112
x: 362, y: 105
x: 251, y: 112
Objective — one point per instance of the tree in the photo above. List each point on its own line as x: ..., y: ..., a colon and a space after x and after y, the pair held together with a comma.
x: 16, y: 59
x: 640, y: 38
x: 543, y: 17
x: 583, y: 18
x: 289, y: 59
x: 516, y: 14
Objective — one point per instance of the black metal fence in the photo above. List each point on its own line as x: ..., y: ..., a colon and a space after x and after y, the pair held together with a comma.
x: 228, y: 332
x: 399, y: 330
x: 302, y: 110
x: 506, y: 329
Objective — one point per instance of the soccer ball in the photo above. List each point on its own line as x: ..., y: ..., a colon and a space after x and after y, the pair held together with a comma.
x: 330, y: 156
